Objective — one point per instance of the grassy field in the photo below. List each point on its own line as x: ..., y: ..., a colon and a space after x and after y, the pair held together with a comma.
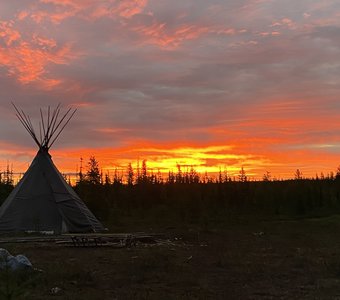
x: 263, y: 259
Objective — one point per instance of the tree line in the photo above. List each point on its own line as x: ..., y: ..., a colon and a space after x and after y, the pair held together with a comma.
x: 185, y: 196
x: 184, y: 175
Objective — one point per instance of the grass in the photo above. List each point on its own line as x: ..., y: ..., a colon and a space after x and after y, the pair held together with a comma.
x: 17, y: 284
x: 263, y: 259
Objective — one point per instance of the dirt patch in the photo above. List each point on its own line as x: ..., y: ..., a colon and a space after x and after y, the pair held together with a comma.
x: 261, y: 260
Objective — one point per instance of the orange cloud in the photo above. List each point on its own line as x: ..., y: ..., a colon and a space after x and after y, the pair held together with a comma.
x: 210, y: 158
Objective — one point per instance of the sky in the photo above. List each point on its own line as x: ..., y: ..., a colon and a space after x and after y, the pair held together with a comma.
x: 213, y: 84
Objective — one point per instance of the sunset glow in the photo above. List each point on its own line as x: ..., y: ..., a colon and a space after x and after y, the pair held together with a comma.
x: 214, y: 85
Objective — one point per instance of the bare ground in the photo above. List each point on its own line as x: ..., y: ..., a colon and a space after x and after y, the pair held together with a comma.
x: 273, y: 259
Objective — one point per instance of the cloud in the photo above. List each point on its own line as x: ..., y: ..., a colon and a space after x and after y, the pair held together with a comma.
x: 57, y: 11
x: 262, y: 76
x: 26, y: 59
x: 157, y: 34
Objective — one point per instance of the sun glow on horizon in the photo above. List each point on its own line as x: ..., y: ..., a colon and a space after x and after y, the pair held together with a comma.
x: 210, y: 159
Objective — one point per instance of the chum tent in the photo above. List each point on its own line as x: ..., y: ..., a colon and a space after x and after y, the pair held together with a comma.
x: 43, y: 200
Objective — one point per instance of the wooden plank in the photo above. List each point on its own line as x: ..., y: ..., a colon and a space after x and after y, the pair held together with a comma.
x: 94, y: 238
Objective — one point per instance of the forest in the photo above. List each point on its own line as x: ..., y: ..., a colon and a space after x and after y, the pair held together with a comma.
x: 187, y: 197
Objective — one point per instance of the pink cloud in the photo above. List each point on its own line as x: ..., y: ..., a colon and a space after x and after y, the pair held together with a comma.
x: 285, y: 22
x: 28, y: 58
x: 88, y: 9
x: 271, y: 33
x: 275, y: 33
x: 124, y: 9
x: 130, y: 8
x: 22, y: 15
x: 8, y: 33
x: 160, y: 35
x: 39, y: 16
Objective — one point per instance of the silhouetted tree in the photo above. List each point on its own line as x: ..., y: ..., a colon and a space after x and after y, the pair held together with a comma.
x: 130, y: 175
x: 80, y: 174
x: 266, y: 176
x: 193, y: 176
x: 179, y: 175
x: 226, y: 176
x: 8, y: 175
x: 298, y: 174
x: 220, y: 176
x: 205, y: 177
x: 93, y: 173
x: 107, y: 180
x: 144, y: 172
x: 138, y: 177
x: 331, y: 175
x: 242, y: 175
x: 159, y: 176
x: 117, y: 178
x: 171, y: 177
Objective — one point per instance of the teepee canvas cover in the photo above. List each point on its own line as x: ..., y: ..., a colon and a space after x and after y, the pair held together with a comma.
x: 42, y: 200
